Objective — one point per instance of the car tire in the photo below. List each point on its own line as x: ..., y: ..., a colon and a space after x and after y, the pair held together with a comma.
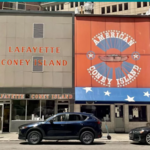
x: 87, y: 137
x: 147, y: 139
x: 34, y: 137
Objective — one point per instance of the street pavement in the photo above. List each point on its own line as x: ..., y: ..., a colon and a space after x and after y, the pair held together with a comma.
x: 21, y: 145
x: 13, y: 136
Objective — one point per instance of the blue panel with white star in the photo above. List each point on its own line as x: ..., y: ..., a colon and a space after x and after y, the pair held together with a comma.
x: 112, y: 94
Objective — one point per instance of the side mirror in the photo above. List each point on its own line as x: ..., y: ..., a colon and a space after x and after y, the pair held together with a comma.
x: 51, y: 121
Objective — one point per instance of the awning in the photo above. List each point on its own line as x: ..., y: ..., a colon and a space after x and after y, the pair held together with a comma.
x: 97, y: 94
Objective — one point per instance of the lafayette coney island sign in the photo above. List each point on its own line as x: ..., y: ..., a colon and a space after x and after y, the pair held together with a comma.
x: 105, y: 74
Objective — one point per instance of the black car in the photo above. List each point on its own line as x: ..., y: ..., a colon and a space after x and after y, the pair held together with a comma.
x: 141, y: 134
x: 63, y: 126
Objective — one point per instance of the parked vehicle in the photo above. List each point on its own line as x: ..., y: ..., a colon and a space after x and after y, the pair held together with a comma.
x: 63, y: 126
x: 141, y: 134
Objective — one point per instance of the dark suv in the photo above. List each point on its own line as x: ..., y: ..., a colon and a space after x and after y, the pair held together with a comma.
x: 63, y: 126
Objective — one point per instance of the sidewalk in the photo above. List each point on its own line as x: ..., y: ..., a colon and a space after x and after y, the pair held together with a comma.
x: 13, y: 136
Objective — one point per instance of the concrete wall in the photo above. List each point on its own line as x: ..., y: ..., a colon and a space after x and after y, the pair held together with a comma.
x: 17, y: 31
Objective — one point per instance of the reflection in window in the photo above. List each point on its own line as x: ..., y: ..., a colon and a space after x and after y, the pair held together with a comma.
x: 108, y: 9
x: 138, y: 4
x: 18, y: 109
x: 47, y: 109
x: 120, y: 7
x: 103, y: 10
x: 125, y: 6
x: 119, y: 111
x: 60, y: 118
x: 101, y: 112
x: 73, y: 118
x: 137, y: 113
x: 144, y: 4
x: 33, y: 110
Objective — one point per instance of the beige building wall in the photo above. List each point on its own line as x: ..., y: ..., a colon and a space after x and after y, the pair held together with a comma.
x: 132, y: 7
x: 17, y: 31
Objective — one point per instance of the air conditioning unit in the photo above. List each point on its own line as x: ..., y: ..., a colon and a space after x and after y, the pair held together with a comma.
x: 89, y: 102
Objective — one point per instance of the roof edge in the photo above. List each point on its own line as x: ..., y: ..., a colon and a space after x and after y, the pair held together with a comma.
x: 123, y: 16
x: 37, y: 12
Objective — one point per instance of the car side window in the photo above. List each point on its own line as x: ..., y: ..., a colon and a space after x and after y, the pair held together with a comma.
x: 73, y: 117
x: 59, y: 118
x: 84, y: 117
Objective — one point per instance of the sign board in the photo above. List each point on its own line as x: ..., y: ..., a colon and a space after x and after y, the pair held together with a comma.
x: 37, y: 96
x: 12, y: 96
x: 51, y: 96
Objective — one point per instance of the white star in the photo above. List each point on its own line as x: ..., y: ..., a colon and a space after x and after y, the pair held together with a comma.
x: 146, y: 94
x: 107, y: 93
x: 130, y: 99
x: 90, y: 55
x: 87, y: 89
x: 135, y: 56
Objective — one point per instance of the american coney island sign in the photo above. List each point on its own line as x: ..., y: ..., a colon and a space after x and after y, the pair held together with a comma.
x: 115, y: 67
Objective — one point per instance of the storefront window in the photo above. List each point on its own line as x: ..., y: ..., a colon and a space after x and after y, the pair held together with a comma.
x: 18, y: 109
x: 47, y: 108
x: 101, y: 112
x: 33, y: 110
x: 137, y: 113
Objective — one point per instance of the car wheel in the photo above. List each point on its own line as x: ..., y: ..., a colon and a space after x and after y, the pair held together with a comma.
x: 147, y: 139
x: 34, y: 137
x: 87, y: 137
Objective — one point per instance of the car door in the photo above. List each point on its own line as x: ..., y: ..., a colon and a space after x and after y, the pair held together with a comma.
x: 57, y: 128
x: 74, y: 124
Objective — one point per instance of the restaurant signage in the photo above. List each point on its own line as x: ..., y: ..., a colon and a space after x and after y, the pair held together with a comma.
x: 51, y: 96
x: 34, y: 50
x: 12, y: 96
x: 37, y: 96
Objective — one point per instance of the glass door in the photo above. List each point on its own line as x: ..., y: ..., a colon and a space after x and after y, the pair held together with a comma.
x: 119, y: 118
x: 1, y: 118
x: 63, y: 108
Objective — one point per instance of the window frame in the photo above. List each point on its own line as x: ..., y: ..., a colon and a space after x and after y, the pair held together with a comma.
x: 81, y: 3
x: 71, y: 4
x: 134, y: 105
x: 110, y: 119
x: 138, y: 5
x: 127, y: 6
x: 107, y: 9
x: 26, y: 109
x: 57, y: 7
x: 102, y: 10
x: 77, y: 4
x: 74, y: 120
x: 21, y: 4
x: 58, y: 116
x: 145, y: 5
x: 62, y: 6
x: 53, y: 7
x: 11, y: 105
x: 119, y: 7
x: 113, y: 8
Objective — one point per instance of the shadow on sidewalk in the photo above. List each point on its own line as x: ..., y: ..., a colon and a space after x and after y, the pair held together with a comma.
x: 62, y: 143
x: 137, y: 143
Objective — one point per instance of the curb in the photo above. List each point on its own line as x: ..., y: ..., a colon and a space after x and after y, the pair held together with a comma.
x: 106, y: 141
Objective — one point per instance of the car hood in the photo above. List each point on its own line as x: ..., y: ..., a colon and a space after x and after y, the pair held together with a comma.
x: 31, y: 124
x: 141, y: 128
